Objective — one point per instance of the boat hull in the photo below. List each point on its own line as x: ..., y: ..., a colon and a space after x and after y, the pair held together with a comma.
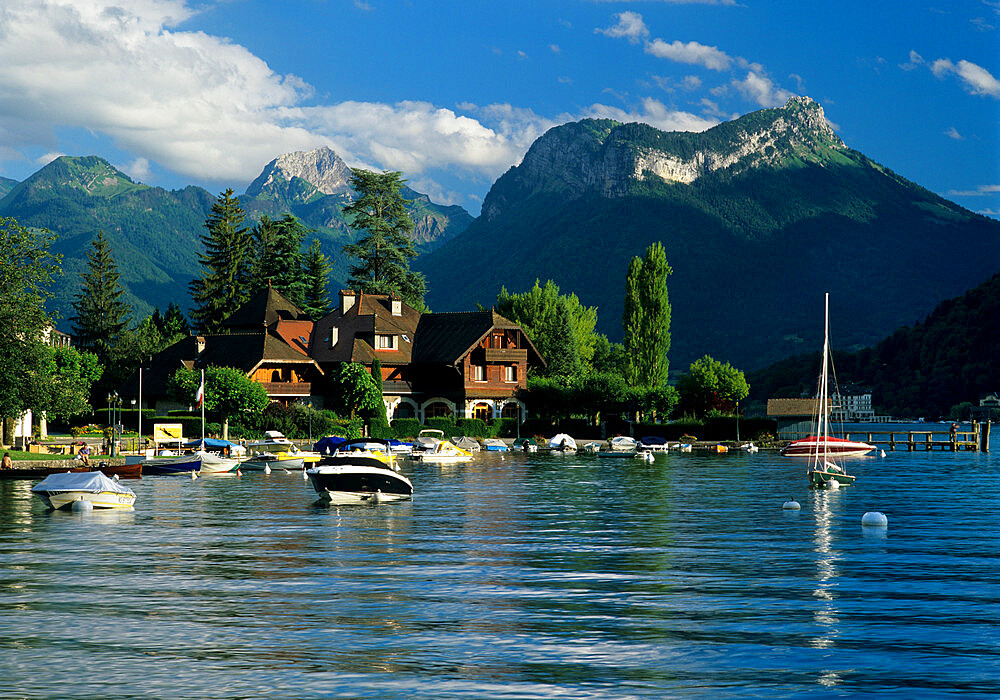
x: 256, y: 464
x: 835, y: 447
x: 358, y: 483
x: 171, y: 465
x: 431, y: 458
x: 105, y: 499
x: 820, y: 477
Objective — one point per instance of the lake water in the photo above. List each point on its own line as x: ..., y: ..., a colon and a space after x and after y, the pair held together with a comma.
x: 522, y: 577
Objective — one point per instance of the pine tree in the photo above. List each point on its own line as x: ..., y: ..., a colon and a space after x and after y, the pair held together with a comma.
x: 316, y: 271
x: 564, y: 353
x: 646, y: 319
x: 279, y: 257
x: 101, y: 314
x: 225, y: 281
x: 385, y: 251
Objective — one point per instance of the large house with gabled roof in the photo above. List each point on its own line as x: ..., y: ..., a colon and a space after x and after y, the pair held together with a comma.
x: 466, y: 365
x: 267, y: 338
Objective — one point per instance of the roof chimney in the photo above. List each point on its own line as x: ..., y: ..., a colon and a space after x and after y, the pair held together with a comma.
x: 200, y: 344
x: 397, y: 305
x: 346, y: 300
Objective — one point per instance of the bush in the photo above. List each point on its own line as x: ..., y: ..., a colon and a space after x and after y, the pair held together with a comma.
x: 446, y: 425
x: 503, y: 427
x: 473, y: 427
x: 406, y: 427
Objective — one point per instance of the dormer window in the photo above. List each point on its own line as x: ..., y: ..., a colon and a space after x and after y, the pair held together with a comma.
x: 385, y: 342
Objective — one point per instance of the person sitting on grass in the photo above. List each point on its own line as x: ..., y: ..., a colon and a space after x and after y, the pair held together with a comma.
x: 6, y: 463
x: 85, y: 455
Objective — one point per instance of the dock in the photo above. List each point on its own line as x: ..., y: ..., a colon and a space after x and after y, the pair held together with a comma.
x: 975, y: 440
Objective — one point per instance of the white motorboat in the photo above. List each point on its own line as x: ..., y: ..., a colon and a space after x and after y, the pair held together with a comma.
x: 275, y: 447
x: 360, y: 471
x: 429, y: 438
x: 444, y: 452
x: 469, y: 444
x: 94, y: 488
x: 623, y: 443
x: 494, y: 445
x: 562, y: 443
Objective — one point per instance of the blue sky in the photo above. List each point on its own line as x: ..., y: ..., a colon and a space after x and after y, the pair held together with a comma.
x: 180, y: 92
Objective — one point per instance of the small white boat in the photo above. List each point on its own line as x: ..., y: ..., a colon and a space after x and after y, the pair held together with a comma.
x: 429, y: 438
x: 623, y: 443
x: 562, y: 443
x: 62, y: 490
x: 592, y: 448
x: 443, y: 453
x: 212, y: 463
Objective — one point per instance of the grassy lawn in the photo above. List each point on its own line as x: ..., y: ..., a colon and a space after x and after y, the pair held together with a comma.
x: 16, y: 455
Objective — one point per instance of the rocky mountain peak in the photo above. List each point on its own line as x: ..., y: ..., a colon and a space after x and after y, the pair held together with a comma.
x: 322, y: 168
x: 610, y: 158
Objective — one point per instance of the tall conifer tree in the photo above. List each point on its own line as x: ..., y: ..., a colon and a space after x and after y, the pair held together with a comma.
x: 279, y: 256
x: 225, y: 282
x: 385, y: 250
x: 101, y: 313
x: 646, y: 319
x: 316, y: 270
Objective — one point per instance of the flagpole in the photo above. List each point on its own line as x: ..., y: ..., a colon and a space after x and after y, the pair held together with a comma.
x: 203, y: 409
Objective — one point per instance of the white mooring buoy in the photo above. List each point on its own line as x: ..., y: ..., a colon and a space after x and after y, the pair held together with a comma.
x: 194, y: 475
x: 874, y: 519
x: 791, y: 505
x: 82, y: 506
x: 882, y: 454
x: 833, y: 484
x: 305, y: 477
x: 267, y: 469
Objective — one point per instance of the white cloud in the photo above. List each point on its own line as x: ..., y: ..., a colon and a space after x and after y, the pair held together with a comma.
x: 952, y: 132
x: 760, y: 89
x: 654, y: 113
x: 630, y: 26
x: 692, y: 52
x: 978, y: 80
x: 915, y: 60
x: 981, y: 191
x: 47, y: 158
x: 138, y: 169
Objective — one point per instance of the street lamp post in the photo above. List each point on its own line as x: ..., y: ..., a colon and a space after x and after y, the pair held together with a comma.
x: 309, y: 407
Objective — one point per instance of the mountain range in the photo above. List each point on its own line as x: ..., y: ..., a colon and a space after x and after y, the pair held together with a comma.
x: 155, y: 233
x: 759, y: 217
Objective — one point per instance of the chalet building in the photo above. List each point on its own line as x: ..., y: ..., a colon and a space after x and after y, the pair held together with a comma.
x: 267, y: 338
x: 466, y: 365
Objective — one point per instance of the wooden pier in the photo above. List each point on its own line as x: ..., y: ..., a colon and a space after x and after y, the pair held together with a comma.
x: 975, y: 440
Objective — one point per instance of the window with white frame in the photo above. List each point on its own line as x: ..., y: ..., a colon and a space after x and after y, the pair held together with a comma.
x: 478, y: 373
x: 510, y: 373
x: 385, y: 342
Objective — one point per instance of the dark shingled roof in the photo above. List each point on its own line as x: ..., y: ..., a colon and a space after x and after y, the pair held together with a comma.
x: 264, y: 308
x: 371, y: 314
x: 447, y: 337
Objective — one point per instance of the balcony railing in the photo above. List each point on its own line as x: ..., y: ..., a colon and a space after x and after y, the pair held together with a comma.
x: 505, y: 354
x: 287, y: 388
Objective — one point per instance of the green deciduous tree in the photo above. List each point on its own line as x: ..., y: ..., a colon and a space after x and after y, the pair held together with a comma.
x: 385, y: 249
x: 225, y: 281
x: 354, y: 390
x: 316, y: 273
x: 646, y: 319
x: 101, y: 313
x: 73, y: 375
x: 228, y: 392
x: 379, y: 422
x: 710, y: 385
x: 538, y: 312
x: 27, y: 269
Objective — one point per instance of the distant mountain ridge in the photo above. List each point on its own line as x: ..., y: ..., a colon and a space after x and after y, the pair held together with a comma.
x: 155, y: 233
x: 759, y: 217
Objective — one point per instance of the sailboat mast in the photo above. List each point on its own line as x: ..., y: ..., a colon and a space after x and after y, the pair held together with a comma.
x: 824, y: 383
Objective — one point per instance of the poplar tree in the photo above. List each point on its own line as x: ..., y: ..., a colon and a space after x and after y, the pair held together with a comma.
x: 646, y: 319
x: 101, y: 313
x: 225, y: 281
x: 384, y: 252
x: 316, y: 273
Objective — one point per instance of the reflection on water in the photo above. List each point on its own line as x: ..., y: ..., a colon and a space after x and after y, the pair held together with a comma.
x: 527, y: 576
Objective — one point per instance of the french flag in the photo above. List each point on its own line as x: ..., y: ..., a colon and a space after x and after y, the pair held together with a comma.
x: 200, y: 396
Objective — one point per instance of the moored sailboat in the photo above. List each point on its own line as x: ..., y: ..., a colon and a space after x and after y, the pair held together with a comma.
x: 821, y: 448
